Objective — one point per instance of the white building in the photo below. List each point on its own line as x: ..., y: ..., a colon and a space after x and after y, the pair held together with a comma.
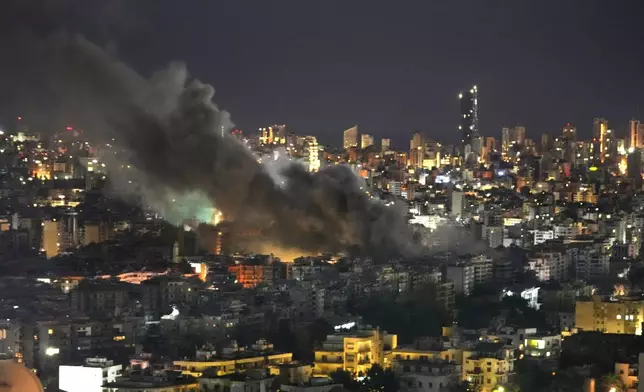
x: 549, y: 266
x: 541, y: 236
x: 531, y: 295
x: 565, y: 231
x: 89, y: 377
x: 457, y: 203
x: 429, y: 221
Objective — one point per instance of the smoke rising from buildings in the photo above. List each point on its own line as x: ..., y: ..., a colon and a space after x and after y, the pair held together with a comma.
x: 171, y: 132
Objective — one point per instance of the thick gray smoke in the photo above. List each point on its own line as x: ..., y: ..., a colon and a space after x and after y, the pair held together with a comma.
x: 171, y: 131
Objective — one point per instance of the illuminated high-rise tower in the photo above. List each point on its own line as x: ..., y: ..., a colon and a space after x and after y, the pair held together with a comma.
x: 366, y: 140
x: 350, y: 137
x: 469, y: 124
x: 603, y: 137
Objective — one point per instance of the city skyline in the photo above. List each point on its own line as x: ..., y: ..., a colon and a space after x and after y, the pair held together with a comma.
x: 393, y: 78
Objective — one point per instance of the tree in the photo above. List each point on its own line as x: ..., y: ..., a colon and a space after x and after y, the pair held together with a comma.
x: 460, y: 387
x: 379, y: 379
x: 345, y: 378
x: 411, y: 315
x: 613, y: 383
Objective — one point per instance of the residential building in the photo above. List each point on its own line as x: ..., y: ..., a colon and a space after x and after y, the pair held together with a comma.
x: 488, y: 366
x: 623, y: 315
x: 427, y: 376
x: 351, y: 137
x: 542, y: 346
x: 233, y: 359
x: 88, y: 377
x: 354, y: 351
x: 249, y: 380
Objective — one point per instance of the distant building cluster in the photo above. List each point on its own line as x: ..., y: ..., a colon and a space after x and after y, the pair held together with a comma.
x: 532, y: 262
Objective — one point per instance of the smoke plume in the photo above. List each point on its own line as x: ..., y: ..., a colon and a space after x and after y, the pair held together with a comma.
x: 176, y: 141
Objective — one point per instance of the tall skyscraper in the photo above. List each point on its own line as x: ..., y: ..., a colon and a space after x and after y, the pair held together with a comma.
x: 637, y: 134
x: 506, y: 137
x: 274, y: 134
x: 469, y: 124
x: 489, y: 148
x: 366, y: 140
x: 546, y: 142
x: 351, y: 137
x: 634, y: 168
x: 600, y: 132
x: 312, y: 153
x: 512, y: 136
x: 634, y: 139
x: 386, y: 144
x: 417, y: 150
x: 570, y: 132
x: 519, y: 135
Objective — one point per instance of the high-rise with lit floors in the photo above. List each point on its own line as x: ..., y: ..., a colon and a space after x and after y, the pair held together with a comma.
x: 50, y: 241
x: 351, y: 137
x: 637, y: 134
x: 274, y: 134
x: 366, y: 140
x: 386, y: 144
x: 570, y: 132
x: 600, y: 133
x: 417, y: 150
x: 469, y: 124
x: 312, y: 153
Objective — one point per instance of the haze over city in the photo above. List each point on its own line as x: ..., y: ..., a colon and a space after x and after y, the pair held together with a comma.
x: 281, y: 196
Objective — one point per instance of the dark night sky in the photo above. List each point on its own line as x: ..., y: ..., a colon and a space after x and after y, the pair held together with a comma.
x: 393, y: 66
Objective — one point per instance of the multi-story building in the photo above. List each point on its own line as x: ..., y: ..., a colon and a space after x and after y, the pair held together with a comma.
x: 51, y: 233
x: 417, y: 150
x: 542, y: 346
x: 629, y: 372
x: 552, y: 265
x: 469, y: 124
x: 354, y: 351
x: 569, y: 132
x: 101, y: 296
x: 312, y: 153
x: 366, y: 140
x: 488, y: 366
x: 427, y: 375
x: 159, y: 293
x: 623, y: 315
x: 88, y: 377
x: 470, y: 273
x: 248, y: 275
x: 233, y: 359
x: 426, y: 349
x: 350, y: 137
x: 462, y: 274
x: 386, y: 144
x: 250, y: 380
